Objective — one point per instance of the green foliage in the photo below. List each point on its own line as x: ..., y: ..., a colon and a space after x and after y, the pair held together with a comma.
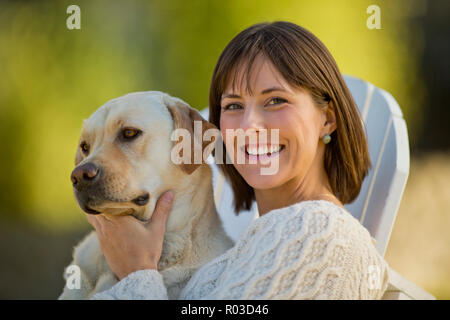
x: 53, y: 78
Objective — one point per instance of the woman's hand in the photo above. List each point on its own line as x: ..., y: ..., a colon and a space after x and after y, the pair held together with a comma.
x: 130, y: 245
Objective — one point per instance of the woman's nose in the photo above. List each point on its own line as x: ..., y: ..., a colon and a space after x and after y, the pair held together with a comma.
x: 253, y: 119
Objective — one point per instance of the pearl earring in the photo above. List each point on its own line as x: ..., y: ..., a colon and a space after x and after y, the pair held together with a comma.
x: 326, y: 138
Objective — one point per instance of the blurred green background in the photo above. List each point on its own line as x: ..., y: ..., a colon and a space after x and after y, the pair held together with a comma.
x: 52, y: 78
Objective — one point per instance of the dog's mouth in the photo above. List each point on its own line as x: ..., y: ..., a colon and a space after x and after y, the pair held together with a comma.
x: 119, y: 207
x: 89, y: 210
x: 142, y: 200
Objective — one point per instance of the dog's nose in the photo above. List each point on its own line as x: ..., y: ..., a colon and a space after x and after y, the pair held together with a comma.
x: 84, y: 174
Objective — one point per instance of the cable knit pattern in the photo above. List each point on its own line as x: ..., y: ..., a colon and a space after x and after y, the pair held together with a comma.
x: 310, y: 250
x: 140, y: 285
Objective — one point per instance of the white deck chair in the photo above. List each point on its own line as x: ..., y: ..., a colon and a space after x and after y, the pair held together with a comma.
x: 377, y: 204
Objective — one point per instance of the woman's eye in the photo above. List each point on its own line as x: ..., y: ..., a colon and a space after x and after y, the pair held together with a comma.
x: 84, y: 147
x: 130, y: 133
x: 232, y: 106
x: 277, y: 101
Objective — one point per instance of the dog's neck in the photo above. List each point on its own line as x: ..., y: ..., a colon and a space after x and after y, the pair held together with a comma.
x: 193, y: 204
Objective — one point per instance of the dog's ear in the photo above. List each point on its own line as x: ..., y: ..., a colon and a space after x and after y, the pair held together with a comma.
x: 183, y: 117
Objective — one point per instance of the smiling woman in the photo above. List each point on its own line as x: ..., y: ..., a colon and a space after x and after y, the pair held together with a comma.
x: 280, y: 76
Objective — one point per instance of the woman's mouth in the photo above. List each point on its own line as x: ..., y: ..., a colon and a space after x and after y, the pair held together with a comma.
x: 262, y: 153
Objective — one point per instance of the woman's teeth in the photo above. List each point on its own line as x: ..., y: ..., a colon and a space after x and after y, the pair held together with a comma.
x: 262, y: 150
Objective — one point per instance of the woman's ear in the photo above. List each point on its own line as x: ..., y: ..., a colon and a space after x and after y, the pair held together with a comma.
x: 329, y: 125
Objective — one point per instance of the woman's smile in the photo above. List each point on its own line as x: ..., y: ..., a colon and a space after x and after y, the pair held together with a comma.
x: 262, y: 153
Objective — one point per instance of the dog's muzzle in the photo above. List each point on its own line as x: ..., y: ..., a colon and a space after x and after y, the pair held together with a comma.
x: 83, y: 180
x: 86, y: 181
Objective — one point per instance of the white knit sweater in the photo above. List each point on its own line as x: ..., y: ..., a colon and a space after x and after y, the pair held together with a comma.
x: 309, y: 250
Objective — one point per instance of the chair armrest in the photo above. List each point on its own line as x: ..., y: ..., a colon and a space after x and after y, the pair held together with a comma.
x: 400, y: 288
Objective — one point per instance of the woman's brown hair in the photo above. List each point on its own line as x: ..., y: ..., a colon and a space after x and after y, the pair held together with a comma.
x: 304, y: 62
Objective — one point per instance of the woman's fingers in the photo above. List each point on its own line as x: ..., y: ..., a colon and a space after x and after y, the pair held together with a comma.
x: 91, y: 219
x: 127, y: 244
x: 103, y: 224
x: 94, y: 222
x: 162, y: 209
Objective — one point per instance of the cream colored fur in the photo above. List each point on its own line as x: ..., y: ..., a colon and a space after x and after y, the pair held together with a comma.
x: 194, y: 233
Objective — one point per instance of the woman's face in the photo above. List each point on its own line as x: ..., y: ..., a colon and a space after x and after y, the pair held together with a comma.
x: 273, y: 104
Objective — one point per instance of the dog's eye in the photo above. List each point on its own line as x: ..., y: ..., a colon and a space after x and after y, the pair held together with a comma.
x: 130, y: 133
x: 84, y: 147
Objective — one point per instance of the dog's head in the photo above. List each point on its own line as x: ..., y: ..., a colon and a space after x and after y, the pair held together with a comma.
x: 123, y: 161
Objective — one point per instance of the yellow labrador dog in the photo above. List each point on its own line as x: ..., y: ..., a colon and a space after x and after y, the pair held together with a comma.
x: 123, y: 164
